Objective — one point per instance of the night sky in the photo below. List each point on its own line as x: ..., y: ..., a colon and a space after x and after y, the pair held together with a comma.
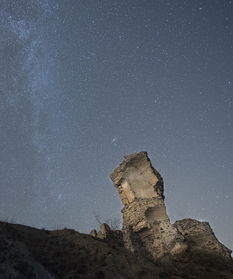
x: 85, y: 82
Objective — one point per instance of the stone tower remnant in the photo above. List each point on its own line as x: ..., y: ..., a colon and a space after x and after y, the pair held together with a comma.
x: 146, y: 225
x: 145, y: 219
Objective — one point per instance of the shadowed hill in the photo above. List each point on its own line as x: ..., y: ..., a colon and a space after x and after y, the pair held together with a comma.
x: 147, y: 247
x: 27, y: 252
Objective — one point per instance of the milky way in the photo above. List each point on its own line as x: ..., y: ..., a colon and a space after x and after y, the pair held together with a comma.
x: 84, y: 83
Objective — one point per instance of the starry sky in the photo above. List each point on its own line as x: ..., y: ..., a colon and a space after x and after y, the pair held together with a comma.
x: 85, y: 82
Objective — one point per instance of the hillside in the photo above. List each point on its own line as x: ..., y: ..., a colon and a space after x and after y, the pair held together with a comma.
x: 148, y: 246
x: 27, y: 252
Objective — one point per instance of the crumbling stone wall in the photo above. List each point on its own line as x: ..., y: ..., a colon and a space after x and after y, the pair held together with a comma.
x: 135, y: 178
x: 201, y: 239
x: 145, y: 220
x: 106, y: 233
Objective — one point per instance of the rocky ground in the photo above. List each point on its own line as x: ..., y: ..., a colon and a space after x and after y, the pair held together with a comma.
x: 148, y: 246
x: 27, y: 252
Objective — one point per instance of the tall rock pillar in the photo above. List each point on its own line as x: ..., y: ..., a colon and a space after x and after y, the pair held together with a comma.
x: 146, y: 225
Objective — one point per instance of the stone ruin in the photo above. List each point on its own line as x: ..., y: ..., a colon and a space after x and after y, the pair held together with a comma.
x: 145, y: 220
x: 146, y: 226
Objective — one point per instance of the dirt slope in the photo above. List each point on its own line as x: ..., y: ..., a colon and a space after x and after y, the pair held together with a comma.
x: 27, y: 252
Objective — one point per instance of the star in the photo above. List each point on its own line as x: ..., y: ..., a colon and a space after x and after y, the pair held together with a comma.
x: 114, y: 140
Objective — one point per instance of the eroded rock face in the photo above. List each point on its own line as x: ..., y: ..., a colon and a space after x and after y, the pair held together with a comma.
x: 108, y: 234
x: 135, y: 178
x: 187, y: 249
x: 146, y: 225
x: 145, y: 221
x: 200, y: 238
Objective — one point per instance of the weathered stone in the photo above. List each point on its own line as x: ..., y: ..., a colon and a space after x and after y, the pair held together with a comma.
x: 145, y: 220
x: 201, y: 238
x: 187, y: 249
x: 93, y: 233
x: 136, y: 178
x: 114, y: 236
x: 146, y: 225
x: 104, y: 231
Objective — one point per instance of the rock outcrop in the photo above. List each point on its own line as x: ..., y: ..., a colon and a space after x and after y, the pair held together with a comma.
x: 29, y: 253
x: 146, y: 225
x: 147, y: 247
x: 106, y: 233
x: 200, y: 238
